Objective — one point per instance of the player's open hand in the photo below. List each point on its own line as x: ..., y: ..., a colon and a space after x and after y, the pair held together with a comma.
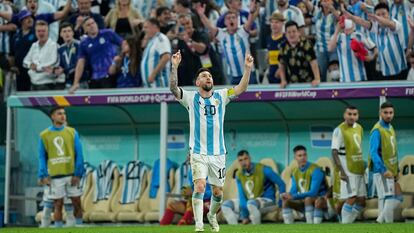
x: 176, y: 59
x: 388, y: 174
x: 249, y: 61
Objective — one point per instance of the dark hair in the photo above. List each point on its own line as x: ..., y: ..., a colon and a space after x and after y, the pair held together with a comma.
x: 291, y: 24
x: 243, y: 152
x: 154, y: 21
x: 210, y: 6
x: 135, y: 52
x: 387, y: 104
x: 351, y: 107
x: 298, y: 148
x: 202, y: 70
x: 161, y: 10
x: 41, y: 23
x: 382, y: 5
x: 54, y: 109
x: 333, y: 62
x: 65, y: 25
x: 184, y: 3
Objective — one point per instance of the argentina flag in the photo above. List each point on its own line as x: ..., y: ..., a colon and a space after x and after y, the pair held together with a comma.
x: 321, y: 136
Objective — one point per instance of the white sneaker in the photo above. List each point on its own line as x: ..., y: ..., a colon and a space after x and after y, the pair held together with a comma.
x: 199, y: 228
x: 212, y: 219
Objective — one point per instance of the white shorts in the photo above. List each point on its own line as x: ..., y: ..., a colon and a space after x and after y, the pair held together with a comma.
x: 266, y: 205
x: 211, y: 167
x: 384, y: 186
x: 46, y: 196
x: 355, y: 188
x: 62, y: 187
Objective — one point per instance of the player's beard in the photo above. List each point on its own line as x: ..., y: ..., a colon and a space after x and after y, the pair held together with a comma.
x: 207, y: 87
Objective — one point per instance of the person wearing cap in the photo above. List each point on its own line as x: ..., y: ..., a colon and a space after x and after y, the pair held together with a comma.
x: 98, y: 50
x: 351, y: 67
x: 274, y: 44
x: 20, y: 46
x: 41, y: 60
x: 84, y: 10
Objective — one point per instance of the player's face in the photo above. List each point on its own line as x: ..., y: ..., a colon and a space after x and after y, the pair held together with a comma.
x: 244, y: 161
x: 301, y: 157
x: 387, y: 114
x: 59, y: 117
x: 205, y: 81
x: 351, y: 116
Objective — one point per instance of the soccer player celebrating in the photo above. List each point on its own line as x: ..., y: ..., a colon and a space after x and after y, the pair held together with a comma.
x: 347, y: 155
x: 307, y: 191
x: 384, y: 164
x: 206, y: 108
x: 256, y: 188
x: 61, y: 164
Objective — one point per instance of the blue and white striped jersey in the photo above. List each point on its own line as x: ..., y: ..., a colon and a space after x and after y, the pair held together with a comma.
x: 4, y: 36
x: 391, y: 53
x: 292, y: 13
x: 325, y: 28
x: 401, y: 12
x: 206, y: 117
x: 352, y: 69
x: 157, y: 46
x: 235, y: 46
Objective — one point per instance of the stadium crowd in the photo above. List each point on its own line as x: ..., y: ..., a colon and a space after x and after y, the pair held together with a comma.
x: 72, y: 44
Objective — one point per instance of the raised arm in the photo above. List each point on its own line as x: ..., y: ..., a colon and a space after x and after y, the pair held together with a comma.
x: 175, y: 62
x: 383, y: 21
x: 64, y: 12
x: 201, y: 8
x: 334, y: 39
x: 6, y: 15
x: 244, y: 82
x: 364, y: 23
x: 254, y: 12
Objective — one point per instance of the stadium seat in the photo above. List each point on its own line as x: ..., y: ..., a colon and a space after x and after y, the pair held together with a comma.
x: 287, y: 173
x: 101, y: 210
x: 328, y: 168
x: 406, y: 181
x: 150, y: 207
x: 128, y: 212
x: 270, y: 163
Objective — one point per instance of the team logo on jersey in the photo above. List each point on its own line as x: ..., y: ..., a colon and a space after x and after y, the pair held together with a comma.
x: 249, y: 186
x: 102, y: 40
x: 302, y: 185
x: 59, y: 142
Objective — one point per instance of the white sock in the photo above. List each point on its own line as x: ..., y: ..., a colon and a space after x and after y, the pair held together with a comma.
x: 356, y: 210
x: 197, y: 202
x: 309, y: 214
x: 215, y: 203
x: 70, y: 218
x: 346, y: 213
x: 254, y: 212
x: 46, y: 219
x: 317, y: 216
x: 228, y: 212
x: 390, y: 205
x: 287, y: 215
x: 380, y: 218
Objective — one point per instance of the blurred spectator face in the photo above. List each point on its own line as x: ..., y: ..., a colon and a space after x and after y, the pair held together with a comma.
x: 187, y: 23
x: 27, y: 22
x: 165, y: 17
x: 333, y: 73
x: 231, y: 21
x: 235, y: 5
x: 125, y: 47
x: 42, y: 33
x: 205, y: 81
x: 276, y: 25
x: 67, y: 34
x: 282, y: 3
x: 32, y: 6
x: 244, y: 161
x: 327, y: 2
x: 292, y: 34
x: 302, y: 8
x: 398, y: 1
x: 383, y: 13
x: 84, y: 6
x: 90, y: 27
x: 124, y: 2
x: 150, y: 29
x: 178, y: 8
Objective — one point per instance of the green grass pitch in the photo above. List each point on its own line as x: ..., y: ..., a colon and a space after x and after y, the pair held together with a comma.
x: 264, y: 228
